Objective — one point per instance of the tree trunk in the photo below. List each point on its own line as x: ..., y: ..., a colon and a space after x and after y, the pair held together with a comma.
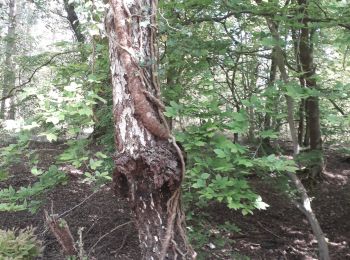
x: 12, y: 109
x: 73, y: 21
x: 301, y: 127
x: 304, y: 205
x: 266, y: 145
x: 9, y: 79
x: 306, y: 142
x: 149, y: 164
x: 308, y: 70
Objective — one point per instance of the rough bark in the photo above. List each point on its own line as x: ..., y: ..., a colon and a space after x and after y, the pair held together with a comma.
x: 149, y: 164
x: 9, y: 79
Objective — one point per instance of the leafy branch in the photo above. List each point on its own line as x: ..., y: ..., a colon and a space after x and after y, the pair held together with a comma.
x: 17, y: 88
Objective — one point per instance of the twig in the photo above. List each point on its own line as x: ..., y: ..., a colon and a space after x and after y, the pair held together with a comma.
x: 122, y: 245
x: 79, y: 204
x: 270, y: 231
x: 102, y: 237
x: 167, y: 22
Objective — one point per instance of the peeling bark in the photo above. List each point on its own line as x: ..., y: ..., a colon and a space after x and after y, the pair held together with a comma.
x: 149, y: 164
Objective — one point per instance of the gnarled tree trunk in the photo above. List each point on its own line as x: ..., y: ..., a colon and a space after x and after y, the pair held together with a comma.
x: 149, y: 164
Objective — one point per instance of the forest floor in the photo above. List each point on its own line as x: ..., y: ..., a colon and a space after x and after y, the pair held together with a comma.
x: 280, y: 232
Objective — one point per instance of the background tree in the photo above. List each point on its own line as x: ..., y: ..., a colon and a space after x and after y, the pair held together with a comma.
x: 9, y: 75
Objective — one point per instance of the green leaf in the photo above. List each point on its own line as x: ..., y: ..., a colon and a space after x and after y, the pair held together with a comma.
x: 269, y: 134
x: 199, y: 184
x: 3, y: 175
x: 94, y: 164
x: 246, y: 211
x: 245, y: 162
x: 220, y: 153
x: 200, y: 143
x: 101, y: 155
x: 53, y: 119
x: 205, y: 176
x: 72, y: 87
x: 35, y: 171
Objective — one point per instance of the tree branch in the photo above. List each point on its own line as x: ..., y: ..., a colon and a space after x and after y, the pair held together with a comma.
x: 338, y: 108
x: 17, y: 88
x: 266, y: 15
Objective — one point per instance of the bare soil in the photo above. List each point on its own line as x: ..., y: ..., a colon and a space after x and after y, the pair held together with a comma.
x: 280, y: 232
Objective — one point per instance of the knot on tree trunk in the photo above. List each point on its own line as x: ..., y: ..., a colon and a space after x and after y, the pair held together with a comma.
x: 153, y: 168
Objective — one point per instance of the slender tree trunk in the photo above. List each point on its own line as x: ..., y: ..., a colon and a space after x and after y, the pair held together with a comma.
x: 313, y: 110
x: 279, y: 57
x: 251, y: 112
x: 149, y: 164
x: 301, y: 127
x: 266, y: 145
x: 306, y: 142
x: 9, y: 79
x: 304, y: 202
x: 12, y: 108
x: 73, y: 21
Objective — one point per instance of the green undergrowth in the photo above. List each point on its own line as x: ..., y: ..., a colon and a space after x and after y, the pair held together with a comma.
x: 19, y: 244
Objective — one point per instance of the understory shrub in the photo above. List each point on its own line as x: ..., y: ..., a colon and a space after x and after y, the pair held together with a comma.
x: 19, y: 244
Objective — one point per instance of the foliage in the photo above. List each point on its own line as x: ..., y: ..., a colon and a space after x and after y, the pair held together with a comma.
x: 67, y: 106
x: 203, y: 233
x: 19, y: 244
x: 218, y: 85
x: 100, y: 166
x: 217, y: 167
x: 25, y: 197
